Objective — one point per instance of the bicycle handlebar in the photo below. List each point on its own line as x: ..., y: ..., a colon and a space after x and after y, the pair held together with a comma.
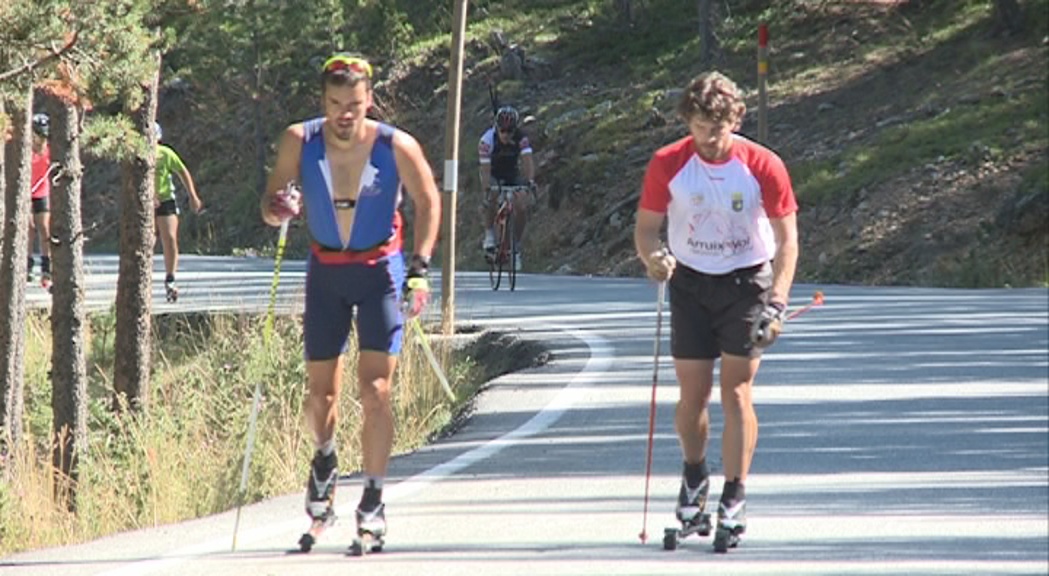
x: 514, y: 188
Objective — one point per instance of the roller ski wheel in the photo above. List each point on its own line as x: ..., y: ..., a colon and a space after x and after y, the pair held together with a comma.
x: 45, y: 282
x: 310, y: 537
x: 725, y: 538
x: 699, y: 525
x: 366, y: 543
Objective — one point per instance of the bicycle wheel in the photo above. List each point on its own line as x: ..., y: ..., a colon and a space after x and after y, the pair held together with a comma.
x: 512, y: 251
x: 501, y: 257
x: 494, y: 269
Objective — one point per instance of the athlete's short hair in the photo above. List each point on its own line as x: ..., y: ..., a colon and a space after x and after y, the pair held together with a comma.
x: 713, y: 96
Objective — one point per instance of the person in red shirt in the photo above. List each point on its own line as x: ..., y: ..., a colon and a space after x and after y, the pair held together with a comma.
x: 732, y: 248
x: 41, y: 193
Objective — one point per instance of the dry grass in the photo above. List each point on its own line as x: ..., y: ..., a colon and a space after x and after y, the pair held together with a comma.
x: 182, y: 458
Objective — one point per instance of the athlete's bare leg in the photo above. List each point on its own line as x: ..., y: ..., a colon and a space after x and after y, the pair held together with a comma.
x: 692, y: 415
x: 740, y: 436
x: 167, y: 229
x: 374, y: 373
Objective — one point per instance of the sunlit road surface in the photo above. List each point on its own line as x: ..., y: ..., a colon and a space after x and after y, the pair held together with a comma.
x: 903, y: 431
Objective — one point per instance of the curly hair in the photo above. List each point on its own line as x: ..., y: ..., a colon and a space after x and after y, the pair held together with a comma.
x: 713, y: 96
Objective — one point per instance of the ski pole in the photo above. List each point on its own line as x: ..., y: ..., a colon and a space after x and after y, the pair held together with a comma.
x: 817, y: 300
x: 433, y: 359
x: 256, y: 400
x: 652, y: 407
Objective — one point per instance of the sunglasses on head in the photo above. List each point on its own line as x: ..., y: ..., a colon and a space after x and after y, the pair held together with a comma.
x: 347, y: 62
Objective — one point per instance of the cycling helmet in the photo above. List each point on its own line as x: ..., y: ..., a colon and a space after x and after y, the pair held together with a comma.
x: 157, y: 130
x: 506, y: 118
x: 41, y: 125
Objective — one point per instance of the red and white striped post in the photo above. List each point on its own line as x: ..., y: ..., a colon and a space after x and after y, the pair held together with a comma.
x: 763, y: 72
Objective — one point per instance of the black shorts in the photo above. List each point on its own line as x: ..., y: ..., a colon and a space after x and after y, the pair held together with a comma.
x: 167, y: 208
x: 41, y: 205
x: 712, y: 314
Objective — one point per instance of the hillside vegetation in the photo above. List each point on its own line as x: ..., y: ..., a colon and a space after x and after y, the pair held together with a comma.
x: 916, y: 132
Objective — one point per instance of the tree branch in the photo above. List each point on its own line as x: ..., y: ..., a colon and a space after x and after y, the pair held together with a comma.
x: 30, y: 66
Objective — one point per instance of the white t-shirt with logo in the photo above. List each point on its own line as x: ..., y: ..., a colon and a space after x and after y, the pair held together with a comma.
x: 718, y: 213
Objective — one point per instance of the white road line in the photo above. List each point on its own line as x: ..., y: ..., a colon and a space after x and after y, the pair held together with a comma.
x: 599, y: 361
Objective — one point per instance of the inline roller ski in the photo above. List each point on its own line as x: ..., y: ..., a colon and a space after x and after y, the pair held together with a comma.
x: 690, y: 512
x: 732, y: 523
x: 320, y: 498
x: 45, y: 273
x: 371, y: 532
x: 313, y: 534
x: 172, y: 292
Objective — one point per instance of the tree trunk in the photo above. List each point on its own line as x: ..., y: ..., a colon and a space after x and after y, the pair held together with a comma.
x: 706, y: 33
x: 135, y: 281
x: 1008, y: 16
x: 625, y: 9
x: 13, y: 274
x: 260, y: 132
x: 68, y: 367
x: 5, y: 152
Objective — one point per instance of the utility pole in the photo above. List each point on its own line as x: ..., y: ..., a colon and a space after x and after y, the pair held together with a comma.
x: 451, y: 170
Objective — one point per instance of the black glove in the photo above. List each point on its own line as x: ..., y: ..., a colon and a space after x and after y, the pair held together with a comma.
x: 415, y: 294
x: 768, y: 326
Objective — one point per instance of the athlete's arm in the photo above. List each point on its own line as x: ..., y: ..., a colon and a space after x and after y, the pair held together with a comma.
x: 285, y: 170
x: 528, y: 166
x: 785, y: 261
x: 187, y: 183
x: 484, y: 152
x: 647, y: 228
x: 486, y: 177
x: 418, y: 181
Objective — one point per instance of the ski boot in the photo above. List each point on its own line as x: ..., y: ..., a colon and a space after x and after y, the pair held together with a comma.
x: 45, y: 273
x: 371, y: 531
x: 320, y: 498
x: 732, y: 523
x: 172, y: 291
x: 690, y: 512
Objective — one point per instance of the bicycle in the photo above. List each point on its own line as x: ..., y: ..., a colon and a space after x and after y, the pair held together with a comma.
x: 506, y: 247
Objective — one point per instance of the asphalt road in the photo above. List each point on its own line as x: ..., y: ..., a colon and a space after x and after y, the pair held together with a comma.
x: 903, y: 431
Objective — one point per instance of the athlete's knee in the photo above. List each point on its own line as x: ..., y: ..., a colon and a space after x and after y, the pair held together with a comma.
x: 691, y: 408
x: 736, y: 400
x: 375, y: 393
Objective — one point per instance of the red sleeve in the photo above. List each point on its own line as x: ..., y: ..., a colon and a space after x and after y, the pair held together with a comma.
x: 777, y: 193
x: 655, y: 191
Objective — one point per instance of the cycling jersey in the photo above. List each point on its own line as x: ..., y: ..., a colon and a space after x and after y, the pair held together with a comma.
x: 503, y: 157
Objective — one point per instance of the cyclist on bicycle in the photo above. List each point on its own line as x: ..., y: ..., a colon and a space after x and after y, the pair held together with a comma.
x: 499, y: 150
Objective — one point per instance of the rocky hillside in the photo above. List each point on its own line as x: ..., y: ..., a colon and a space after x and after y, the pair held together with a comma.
x: 916, y: 135
x: 916, y: 131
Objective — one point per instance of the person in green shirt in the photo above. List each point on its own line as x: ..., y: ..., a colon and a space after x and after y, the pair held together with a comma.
x: 169, y: 165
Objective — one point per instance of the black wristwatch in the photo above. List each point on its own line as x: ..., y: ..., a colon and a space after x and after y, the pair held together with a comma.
x: 419, y: 265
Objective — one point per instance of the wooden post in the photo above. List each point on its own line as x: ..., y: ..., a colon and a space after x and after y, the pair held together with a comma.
x: 763, y: 72
x: 451, y: 170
